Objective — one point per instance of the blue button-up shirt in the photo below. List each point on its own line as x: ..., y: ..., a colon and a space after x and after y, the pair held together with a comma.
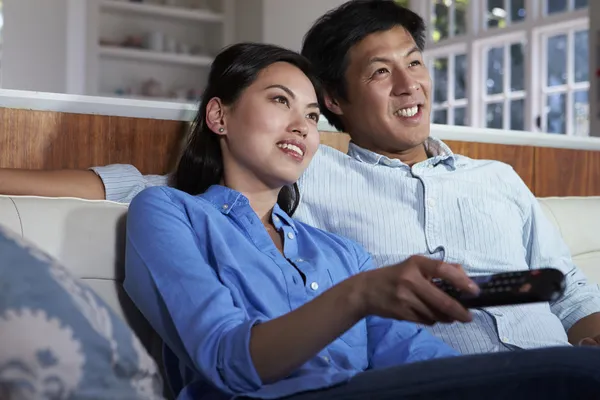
x: 203, y: 270
x: 477, y: 213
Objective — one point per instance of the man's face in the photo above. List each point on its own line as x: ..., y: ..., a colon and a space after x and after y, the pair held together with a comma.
x: 388, y: 93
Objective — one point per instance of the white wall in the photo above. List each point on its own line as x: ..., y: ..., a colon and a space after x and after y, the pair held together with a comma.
x: 286, y: 21
x: 38, y: 53
x: 34, y: 47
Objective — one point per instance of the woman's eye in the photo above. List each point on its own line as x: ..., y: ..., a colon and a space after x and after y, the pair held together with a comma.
x: 282, y: 99
x: 314, y: 116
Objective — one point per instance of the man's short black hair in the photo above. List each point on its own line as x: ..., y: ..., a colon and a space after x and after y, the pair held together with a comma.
x: 332, y: 36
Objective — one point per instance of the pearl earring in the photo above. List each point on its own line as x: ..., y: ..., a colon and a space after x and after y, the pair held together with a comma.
x: 221, y: 130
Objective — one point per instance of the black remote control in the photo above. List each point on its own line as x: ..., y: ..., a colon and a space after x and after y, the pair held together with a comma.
x: 508, y: 288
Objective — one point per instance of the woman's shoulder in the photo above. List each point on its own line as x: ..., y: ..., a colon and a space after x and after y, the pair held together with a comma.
x: 165, y: 198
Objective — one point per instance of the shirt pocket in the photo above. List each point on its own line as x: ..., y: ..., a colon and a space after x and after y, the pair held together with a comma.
x: 491, y: 228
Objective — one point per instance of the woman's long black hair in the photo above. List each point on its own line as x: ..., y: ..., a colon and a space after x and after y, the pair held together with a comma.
x: 232, y: 71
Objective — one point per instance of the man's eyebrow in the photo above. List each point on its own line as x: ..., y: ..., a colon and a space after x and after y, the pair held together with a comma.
x: 387, y: 60
x: 291, y: 94
x: 413, y: 50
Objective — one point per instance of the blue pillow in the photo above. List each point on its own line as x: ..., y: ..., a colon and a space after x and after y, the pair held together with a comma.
x: 58, y: 339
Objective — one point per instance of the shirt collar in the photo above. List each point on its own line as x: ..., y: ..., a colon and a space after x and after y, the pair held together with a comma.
x: 226, y: 200
x: 438, y: 150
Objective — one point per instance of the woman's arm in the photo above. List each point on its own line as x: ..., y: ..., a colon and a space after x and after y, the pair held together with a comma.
x: 169, y: 279
x: 174, y: 286
x: 55, y: 183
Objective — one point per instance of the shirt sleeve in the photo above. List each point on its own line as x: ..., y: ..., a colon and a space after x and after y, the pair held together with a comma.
x: 392, y: 342
x: 546, y: 249
x: 168, y: 277
x: 122, y: 182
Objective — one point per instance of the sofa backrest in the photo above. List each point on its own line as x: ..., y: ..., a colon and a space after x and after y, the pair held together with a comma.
x: 88, y: 238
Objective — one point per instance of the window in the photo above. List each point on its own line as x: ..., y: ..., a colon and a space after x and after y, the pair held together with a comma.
x: 509, y: 64
x: 565, y: 82
x: 450, y: 91
x: 501, y: 13
x: 503, y: 94
x: 448, y: 19
x: 559, y: 6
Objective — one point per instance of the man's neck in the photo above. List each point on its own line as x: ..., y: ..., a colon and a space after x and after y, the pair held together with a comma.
x: 409, y: 157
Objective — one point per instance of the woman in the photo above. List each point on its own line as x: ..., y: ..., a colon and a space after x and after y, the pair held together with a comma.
x: 248, y: 301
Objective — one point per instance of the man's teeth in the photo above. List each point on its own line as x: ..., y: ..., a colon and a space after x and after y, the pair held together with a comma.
x: 408, y: 112
x: 292, y: 147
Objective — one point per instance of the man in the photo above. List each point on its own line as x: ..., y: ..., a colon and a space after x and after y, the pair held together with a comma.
x: 400, y: 192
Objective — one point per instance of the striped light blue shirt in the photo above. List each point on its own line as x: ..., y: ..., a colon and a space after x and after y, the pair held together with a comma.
x: 476, y: 213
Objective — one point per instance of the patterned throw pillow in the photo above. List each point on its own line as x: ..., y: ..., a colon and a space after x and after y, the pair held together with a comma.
x: 59, y: 340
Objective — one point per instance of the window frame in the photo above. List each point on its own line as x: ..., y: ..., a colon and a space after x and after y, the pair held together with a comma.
x: 479, y: 35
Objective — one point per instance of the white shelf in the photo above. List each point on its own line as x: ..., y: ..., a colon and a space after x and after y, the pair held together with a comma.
x: 155, y: 56
x: 149, y: 98
x: 162, y: 11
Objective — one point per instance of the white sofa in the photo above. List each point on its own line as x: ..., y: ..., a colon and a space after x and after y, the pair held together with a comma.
x: 88, y: 237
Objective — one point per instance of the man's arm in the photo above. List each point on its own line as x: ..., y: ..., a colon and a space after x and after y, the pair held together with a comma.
x: 56, y: 183
x: 116, y: 182
x: 579, y: 307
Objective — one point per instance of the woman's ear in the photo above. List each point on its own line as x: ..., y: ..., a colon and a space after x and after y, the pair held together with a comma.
x: 215, y: 116
x: 332, y: 105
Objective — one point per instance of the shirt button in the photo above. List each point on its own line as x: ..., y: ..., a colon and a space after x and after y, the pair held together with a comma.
x: 387, y: 162
x: 299, y: 260
x: 275, y: 218
x: 504, y: 339
x: 314, y: 286
x: 430, y: 166
x: 225, y: 206
x: 290, y: 235
x: 326, y: 359
x: 430, y: 202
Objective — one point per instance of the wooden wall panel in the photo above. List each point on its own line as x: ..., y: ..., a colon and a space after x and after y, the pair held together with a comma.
x: 565, y: 172
x: 52, y: 140
x: 336, y: 140
x: 519, y: 157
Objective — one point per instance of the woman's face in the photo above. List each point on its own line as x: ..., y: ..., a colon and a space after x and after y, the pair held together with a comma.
x: 270, y: 134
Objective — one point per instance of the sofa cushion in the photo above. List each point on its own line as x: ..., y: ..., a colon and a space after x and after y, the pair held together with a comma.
x: 61, y: 340
x: 577, y: 220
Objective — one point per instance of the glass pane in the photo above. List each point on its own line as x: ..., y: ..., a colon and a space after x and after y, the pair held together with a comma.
x: 440, y: 80
x: 517, y: 115
x: 556, y: 113
x: 517, y: 10
x: 460, y: 76
x: 495, y: 68
x: 581, y: 66
x: 494, y: 115
x: 581, y: 113
x: 496, y: 14
x: 557, y: 60
x: 440, y: 20
x: 460, y: 116
x: 555, y: 6
x: 581, y: 4
x: 517, y: 67
x: 460, y: 17
x: 440, y: 117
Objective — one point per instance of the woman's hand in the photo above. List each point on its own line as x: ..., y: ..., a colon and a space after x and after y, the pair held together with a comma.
x: 405, y: 291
